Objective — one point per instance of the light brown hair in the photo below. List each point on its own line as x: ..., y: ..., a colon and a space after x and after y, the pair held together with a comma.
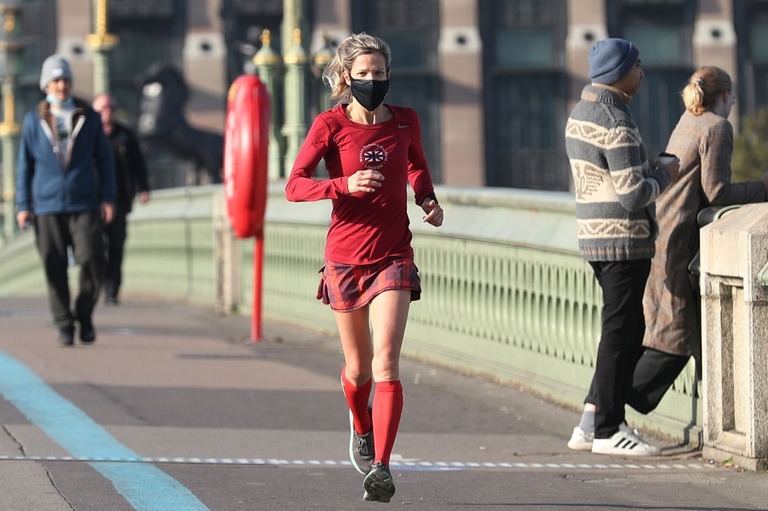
x: 704, y: 87
x: 349, y: 49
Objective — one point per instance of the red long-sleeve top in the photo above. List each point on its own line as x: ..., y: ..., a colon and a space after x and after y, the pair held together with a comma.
x: 365, y: 227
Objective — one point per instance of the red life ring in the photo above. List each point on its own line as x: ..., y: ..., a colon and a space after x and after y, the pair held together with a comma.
x: 246, y: 142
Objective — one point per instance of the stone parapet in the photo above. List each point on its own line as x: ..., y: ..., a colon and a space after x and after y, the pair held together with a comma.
x: 734, y: 249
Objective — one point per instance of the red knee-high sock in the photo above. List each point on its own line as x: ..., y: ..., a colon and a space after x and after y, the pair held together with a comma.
x: 387, y: 410
x: 357, y: 399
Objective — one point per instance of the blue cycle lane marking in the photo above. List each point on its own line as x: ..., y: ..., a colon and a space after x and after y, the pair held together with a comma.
x: 144, y: 486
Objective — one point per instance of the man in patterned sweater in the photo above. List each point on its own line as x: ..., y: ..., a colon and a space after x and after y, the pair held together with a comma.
x: 615, y: 192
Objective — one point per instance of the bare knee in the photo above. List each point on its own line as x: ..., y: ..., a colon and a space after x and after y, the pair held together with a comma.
x: 357, y: 374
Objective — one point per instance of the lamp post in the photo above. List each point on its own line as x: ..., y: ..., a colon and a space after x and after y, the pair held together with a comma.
x: 296, y: 76
x: 268, y: 65
x: 293, y: 18
x: 101, y: 42
x: 320, y: 61
x: 10, y: 68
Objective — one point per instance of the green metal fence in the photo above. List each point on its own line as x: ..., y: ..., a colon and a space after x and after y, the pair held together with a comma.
x: 505, y: 292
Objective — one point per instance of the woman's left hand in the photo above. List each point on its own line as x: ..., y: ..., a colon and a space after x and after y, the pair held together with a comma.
x: 434, y: 212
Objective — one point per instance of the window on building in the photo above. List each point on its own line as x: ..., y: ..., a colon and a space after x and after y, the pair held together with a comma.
x: 662, y: 30
x: 38, y: 40
x: 150, y: 32
x: 409, y: 28
x: 37, y: 36
x: 243, y: 22
x: 525, y: 111
x: 751, y: 23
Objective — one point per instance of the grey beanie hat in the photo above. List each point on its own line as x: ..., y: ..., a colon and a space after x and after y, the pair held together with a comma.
x: 611, y: 59
x: 54, y: 67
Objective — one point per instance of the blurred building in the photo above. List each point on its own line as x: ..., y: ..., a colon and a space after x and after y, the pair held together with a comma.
x: 493, y: 80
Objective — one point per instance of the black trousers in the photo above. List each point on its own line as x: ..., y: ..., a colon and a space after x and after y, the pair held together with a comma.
x: 117, y: 233
x: 654, y: 374
x: 84, y: 233
x: 621, y: 340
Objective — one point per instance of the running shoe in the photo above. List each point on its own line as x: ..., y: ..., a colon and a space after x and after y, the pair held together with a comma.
x: 378, y: 484
x: 360, y: 447
x: 625, y: 442
x: 581, y: 440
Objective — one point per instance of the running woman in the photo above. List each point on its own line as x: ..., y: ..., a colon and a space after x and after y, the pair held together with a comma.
x: 372, y: 151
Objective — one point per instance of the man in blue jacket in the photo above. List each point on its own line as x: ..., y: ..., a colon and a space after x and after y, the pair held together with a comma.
x: 65, y: 188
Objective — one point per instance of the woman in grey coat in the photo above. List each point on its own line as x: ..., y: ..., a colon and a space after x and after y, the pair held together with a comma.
x: 703, y: 141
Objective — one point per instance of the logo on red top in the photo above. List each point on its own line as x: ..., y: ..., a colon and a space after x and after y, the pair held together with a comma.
x: 373, y: 156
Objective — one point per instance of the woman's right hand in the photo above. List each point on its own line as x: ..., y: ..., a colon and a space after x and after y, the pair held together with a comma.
x: 366, y: 181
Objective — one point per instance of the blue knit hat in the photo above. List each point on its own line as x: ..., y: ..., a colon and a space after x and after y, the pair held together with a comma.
x: 611, y: 59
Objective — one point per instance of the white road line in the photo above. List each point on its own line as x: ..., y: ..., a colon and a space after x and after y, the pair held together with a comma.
x: 403, y: 466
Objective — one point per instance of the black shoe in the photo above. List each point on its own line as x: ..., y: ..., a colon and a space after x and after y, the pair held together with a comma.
x: 111, y: 300
x: 66, y: 335
x: 378, y: 484
x: 360, y: 447
x: 87, y: 332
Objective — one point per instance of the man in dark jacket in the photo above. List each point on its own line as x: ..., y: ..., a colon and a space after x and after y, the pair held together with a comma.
x: 65, y: 188
x: 131, y: 174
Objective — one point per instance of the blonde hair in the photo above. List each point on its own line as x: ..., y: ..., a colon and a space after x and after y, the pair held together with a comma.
x: 704, y: 87
x: 349, y: 49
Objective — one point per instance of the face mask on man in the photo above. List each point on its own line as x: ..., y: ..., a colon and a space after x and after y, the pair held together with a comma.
x: 369, y: 93
x: 67, y: 103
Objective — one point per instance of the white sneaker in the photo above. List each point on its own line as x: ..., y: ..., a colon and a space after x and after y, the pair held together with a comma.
x: 625, y: 442
x: 581, y: 440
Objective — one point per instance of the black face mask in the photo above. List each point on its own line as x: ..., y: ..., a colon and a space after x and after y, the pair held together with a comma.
x: 369, y: 93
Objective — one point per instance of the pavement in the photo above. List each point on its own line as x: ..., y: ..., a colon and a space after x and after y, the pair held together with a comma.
x: 175, y: 409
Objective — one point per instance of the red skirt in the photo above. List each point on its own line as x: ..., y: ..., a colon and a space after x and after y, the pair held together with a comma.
x: 347, y: 287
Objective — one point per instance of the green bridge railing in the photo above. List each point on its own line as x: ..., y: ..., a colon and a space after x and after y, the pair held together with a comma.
x: 505, y: 292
